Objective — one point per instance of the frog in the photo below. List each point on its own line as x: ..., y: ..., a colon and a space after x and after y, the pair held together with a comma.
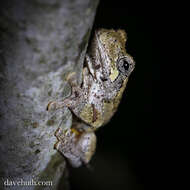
x: 106, y: 70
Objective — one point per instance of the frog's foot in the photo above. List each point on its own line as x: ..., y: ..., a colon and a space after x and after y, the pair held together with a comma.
x: 77, y: 147
x: 54, y: 105
x: 66, y: 145
x: 62, y: 135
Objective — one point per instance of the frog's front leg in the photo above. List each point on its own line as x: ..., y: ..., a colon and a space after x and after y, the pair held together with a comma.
x: 77, y: 92
x: 71, y: 100
x: 78, y: 147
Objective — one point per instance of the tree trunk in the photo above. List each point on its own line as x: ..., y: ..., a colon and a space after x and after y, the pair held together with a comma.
x: 41, y: 41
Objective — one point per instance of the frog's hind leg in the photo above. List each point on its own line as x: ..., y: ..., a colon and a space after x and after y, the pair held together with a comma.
x: 76, y: 145
x: 87, y: 146
x: 66, y: 145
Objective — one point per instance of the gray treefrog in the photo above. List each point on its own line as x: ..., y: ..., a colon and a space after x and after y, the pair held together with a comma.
x: 107, y: 68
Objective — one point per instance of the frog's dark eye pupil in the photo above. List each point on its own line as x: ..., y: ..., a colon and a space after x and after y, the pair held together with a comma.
x: 126, y: 65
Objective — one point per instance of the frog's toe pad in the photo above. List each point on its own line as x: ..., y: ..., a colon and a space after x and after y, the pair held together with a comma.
x: 51, y: 106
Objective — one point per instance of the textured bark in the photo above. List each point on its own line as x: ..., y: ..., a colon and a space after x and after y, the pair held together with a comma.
x: 41, y: 41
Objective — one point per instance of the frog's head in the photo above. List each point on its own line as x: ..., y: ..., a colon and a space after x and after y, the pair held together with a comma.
x: 112, y: 47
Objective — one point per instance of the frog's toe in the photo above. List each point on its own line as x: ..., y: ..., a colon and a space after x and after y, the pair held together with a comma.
x: 57, y: 145
x: 59, y: 133
x: 51, y: 106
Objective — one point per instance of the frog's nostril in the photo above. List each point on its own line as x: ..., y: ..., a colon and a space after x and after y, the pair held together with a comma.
x: 103, y: 79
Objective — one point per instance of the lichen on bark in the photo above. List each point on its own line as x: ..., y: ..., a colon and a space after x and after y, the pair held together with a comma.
x: 41, y: 41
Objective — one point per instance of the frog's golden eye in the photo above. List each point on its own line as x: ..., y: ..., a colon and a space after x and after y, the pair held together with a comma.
x: 125, y: 65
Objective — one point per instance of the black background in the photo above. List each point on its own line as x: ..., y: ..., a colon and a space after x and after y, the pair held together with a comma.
x: 126, y: 156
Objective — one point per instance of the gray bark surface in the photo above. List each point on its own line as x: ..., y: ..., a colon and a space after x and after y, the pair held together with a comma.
x: 41, y: 41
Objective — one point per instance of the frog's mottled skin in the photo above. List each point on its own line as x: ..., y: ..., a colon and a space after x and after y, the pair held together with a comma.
x: 105, y: 74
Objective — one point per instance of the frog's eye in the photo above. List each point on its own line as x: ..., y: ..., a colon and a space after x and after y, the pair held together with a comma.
x: 125, y: 65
